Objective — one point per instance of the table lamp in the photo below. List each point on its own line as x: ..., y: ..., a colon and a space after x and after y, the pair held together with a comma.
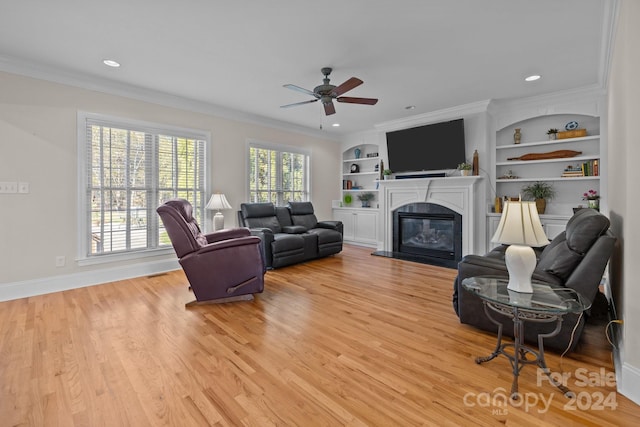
x: 520, y: 228
x: 216, y: 202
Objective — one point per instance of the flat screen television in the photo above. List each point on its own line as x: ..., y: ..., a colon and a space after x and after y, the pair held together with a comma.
x: 434, y: 147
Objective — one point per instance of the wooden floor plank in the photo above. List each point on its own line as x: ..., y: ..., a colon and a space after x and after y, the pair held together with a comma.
x: 351, y: 339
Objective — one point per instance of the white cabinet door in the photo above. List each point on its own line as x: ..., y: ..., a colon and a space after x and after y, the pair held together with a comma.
x: 360, y: 225
x: 366, y: 226
x: 347, y: 218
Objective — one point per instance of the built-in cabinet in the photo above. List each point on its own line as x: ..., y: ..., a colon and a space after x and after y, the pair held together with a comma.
x: 360, y: 175
x: 360, y: 225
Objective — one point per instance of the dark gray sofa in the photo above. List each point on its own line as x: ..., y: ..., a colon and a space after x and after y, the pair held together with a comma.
x: 291, y: 234
x: 576, y: 259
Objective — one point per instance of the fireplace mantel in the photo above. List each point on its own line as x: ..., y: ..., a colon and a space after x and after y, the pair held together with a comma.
x: 456, y: 193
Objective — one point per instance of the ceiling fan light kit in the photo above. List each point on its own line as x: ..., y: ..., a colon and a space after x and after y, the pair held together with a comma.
x: 327, y: 92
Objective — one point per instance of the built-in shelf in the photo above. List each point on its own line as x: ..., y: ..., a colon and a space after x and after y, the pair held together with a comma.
x: 551, y: 142
x: 568, y: 190
x: 531, y: 162
x: 546, y: 178
x: 360, y: 159
x: 367, y: 176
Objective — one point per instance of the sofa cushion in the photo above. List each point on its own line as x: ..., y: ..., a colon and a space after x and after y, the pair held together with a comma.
x: 186, y: 211
x: 302, y: 214
x: 326, y: 236
x: 284, y: 217
x: 260, y: 215
x: 560, y: 261
x: 566, y: 251
x: 287, y: 242
x: 584, y: 228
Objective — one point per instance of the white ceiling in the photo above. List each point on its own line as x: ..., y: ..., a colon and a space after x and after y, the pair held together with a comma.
x: 433, y: 54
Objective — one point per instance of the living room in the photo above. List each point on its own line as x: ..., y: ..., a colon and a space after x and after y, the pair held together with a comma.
x: 39, y: 129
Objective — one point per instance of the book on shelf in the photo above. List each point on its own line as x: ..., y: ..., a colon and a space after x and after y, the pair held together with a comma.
x: 588, y: 168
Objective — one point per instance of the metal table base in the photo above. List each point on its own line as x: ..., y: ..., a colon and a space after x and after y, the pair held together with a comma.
x: 522, y: 354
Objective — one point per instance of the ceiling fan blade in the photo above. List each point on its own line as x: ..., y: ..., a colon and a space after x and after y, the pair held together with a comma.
x: 351, y: 100
x: 298, y: 103
x: 300, y: 89
x: 346, y: 86
x: 329, y: 109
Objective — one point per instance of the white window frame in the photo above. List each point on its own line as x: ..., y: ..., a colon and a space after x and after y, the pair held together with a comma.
x: 280, y: 148
x: 84, y: 224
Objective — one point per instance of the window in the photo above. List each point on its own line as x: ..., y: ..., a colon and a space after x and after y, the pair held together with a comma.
x: 278, y: 174
x: 128, y: 170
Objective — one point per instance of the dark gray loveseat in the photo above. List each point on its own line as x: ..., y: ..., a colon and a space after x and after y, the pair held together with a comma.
x: 291, y: 234
x: 576, y: 258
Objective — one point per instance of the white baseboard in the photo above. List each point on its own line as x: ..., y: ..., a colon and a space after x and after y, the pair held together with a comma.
x: 629, y: 382
x: 29, y: 288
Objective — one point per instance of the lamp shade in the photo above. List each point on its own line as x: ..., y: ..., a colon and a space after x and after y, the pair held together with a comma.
x: 520, y: 225
x: 520, y: 228
x: 218, y: 201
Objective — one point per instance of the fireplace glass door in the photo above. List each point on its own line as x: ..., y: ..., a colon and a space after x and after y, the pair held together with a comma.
x: 427, y: 235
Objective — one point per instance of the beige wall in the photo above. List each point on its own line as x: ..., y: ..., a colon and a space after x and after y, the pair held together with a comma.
x: 38, y: 144
x: 624, y: 203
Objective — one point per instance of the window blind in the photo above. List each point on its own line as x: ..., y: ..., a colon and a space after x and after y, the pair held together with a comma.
x: 130, y: 171
x: 277, y: 175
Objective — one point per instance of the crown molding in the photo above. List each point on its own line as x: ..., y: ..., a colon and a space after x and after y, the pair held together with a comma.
x: 111, y: 87
x: 435, y: 116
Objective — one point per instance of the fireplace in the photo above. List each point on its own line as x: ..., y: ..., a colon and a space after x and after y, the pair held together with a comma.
x: 429, y: 233
x: 456, y: 195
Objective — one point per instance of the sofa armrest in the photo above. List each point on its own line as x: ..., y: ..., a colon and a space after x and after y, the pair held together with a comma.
x: 231, y: 233
x: 229, y: 243
x: 481, y: 266
x: 476, y: 265
x: 331, y: 225
x: 294, y: 229
x: 267, y: 238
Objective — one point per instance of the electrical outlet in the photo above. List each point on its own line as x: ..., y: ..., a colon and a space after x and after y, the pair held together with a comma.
x: 23, y: 187
x: 60, y: 261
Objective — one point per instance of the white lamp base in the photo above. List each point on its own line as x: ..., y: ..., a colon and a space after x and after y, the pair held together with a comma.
x: 520, y: 298
x: 521, y: 261
x: 218, y: 221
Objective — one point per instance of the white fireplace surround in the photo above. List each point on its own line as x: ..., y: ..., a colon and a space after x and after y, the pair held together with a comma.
x: 456, y: 193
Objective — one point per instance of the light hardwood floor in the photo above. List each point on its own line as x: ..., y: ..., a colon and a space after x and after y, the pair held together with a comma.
x: 351, y: 339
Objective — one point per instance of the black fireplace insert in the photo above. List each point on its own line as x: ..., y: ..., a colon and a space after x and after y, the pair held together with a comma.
x: 428, y: 233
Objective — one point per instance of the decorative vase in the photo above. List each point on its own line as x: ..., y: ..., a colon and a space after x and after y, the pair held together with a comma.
x: 357, y: 153
x: 541, y: 206
x: 517, y: 136
x: 594, y: 204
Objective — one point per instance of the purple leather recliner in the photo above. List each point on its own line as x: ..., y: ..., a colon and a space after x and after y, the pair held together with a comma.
x: 225, y: 265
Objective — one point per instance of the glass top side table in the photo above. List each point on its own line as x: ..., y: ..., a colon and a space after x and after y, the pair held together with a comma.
x: 545, y: 305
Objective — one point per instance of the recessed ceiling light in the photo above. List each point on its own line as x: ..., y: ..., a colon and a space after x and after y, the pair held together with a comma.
x: 335, y: 125
x: 410, y: 107
x: 532, y: 78
x: 111, y: 63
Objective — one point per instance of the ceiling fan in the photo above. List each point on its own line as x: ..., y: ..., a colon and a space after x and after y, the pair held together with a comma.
x: 326, y: 93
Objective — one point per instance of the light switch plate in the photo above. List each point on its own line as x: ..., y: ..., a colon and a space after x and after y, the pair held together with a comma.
x: 8, y: 187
